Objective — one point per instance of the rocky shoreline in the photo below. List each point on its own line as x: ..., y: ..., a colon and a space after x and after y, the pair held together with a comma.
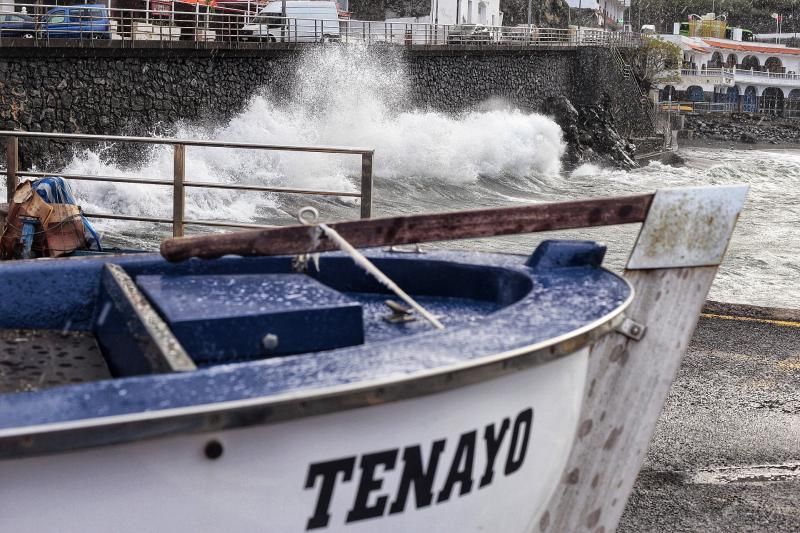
x: 700, y: 142
x: 743, y: 128
x: 590, y: 133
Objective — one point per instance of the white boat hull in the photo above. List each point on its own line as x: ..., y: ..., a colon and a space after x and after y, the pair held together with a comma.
x: 276, y: 477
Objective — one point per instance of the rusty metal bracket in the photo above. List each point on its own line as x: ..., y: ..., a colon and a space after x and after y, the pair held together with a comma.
x: 632, y: 329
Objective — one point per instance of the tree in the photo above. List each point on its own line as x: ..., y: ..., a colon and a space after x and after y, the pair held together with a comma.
x: 657, y: 62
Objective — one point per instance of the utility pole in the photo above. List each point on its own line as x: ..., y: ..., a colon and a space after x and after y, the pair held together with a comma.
x: 285, y: 22
x: 530, y: 12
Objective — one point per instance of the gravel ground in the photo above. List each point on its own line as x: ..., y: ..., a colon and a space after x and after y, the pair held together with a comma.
x: 726, y: 453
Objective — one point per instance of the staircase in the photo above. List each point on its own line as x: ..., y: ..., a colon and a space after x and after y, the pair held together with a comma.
x: 661, y: 124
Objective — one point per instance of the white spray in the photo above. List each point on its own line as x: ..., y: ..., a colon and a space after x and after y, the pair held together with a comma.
x: 342, y: 96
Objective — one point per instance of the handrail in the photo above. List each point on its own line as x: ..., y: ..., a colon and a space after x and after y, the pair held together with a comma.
x: 188, y: 142
x: 103, y: 27
x: 660, y: 124
x: 179, y: 182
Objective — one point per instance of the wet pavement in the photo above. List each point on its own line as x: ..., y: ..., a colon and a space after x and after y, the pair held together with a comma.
x: 726, y: 453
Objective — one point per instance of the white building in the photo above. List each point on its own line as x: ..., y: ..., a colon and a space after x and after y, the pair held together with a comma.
x: 486, y: 12
x: 749, y: 76
x: 608, y: 14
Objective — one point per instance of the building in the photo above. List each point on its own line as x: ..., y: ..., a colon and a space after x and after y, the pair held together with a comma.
x: 745, y: 76
x: 608, y: 14
x: 486, y: 12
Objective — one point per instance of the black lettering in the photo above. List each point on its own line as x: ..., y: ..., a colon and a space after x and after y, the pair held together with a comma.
x: 464, y: 453
x: 413, y: 473
x: 493, y: 443
x: 514, y: 463
x: 368, y: 484
x: 328, y: 470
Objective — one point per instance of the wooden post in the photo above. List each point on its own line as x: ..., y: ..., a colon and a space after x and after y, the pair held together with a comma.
x: 366, y: 185
x: 672, y: 266
x: 178, y: 192
x: 12, y: 167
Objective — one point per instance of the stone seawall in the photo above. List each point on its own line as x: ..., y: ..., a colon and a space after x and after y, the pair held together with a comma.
x: 144, y: 91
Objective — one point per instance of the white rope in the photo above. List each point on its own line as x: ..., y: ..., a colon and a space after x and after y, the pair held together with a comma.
x: 367, y: 265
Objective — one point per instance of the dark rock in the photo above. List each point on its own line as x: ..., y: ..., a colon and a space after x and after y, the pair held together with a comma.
x: 672, y: 159
x: 590, y: 134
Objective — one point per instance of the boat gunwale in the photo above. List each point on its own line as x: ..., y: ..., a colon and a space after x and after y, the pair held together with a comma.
x: 87, y: 433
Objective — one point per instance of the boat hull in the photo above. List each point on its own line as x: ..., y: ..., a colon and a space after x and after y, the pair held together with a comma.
x: 484, y: 457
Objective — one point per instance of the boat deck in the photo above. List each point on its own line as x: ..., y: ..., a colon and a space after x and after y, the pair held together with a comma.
x: 35, y: 359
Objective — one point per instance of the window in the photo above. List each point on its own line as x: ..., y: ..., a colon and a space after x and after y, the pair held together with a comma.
x: 270, y: 21
x: 55, y: 18
x: 95, y: 14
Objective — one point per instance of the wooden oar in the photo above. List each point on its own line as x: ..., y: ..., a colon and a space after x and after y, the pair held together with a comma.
x: 415, y: 228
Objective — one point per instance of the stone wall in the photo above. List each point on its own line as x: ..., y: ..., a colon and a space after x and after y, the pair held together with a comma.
x: 459, y: 81
x: 130, y: 90
x: 598, y: 78
x: 146, y: 91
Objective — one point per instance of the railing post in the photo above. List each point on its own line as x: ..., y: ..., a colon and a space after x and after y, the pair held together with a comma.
x: 366, y: 184
x: 178, y: 192
x: 12, y: 166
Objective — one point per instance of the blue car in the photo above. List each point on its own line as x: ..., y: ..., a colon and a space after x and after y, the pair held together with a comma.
x: 85, y: 21
x: 17, y: 25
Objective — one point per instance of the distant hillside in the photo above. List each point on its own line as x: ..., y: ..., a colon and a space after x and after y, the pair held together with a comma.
x: 753, y: 15
x: 547, y: 13
x: 550, y: 13
x: 383, y: 9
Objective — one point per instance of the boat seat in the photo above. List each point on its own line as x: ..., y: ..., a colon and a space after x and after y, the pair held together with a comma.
x: 223, y: 318
x: 134, y: 339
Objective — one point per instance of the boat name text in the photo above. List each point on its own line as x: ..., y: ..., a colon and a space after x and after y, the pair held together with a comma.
x: 368, y: 504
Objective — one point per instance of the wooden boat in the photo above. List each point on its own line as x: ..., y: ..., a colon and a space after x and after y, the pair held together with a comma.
x: 264, y: 392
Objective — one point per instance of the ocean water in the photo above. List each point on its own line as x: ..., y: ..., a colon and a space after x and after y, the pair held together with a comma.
x: 427, y: 161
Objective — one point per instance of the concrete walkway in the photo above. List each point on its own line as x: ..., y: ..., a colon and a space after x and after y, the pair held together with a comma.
x: 726, y: 453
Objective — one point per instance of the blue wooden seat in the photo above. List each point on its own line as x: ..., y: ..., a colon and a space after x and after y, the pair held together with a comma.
x: 222, y: 318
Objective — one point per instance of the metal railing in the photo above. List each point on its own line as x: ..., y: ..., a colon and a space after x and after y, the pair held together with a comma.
x: 675, y: 106
x: 179, y: 182
x: 709, y: 72
x: 53, y: 25
x: 732, y: 75
x: 662, y: 123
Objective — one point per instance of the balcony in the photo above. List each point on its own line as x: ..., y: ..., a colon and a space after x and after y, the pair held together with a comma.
x: 712, y: 76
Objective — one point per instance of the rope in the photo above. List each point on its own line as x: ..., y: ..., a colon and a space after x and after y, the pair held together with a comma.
x: 367, y: 265
x: 53, y: 227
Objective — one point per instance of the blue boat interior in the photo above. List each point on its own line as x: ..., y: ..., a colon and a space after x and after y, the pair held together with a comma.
x: 205, y: 331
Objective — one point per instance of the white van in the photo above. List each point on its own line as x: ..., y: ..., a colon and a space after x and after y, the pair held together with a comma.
x: 306, y: 21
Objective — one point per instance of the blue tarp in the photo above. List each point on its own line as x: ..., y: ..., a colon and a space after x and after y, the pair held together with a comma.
x: 55, y: 190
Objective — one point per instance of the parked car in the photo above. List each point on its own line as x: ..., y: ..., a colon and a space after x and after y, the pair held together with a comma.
x: 519, y: 34
x: 470, y: 34
x: 305, y: 21
x: 17, y: 25
x: 84, y: 21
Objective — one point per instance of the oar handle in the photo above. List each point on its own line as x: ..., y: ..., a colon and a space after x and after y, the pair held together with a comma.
x: 415, y: 229
x: 273, y: 241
